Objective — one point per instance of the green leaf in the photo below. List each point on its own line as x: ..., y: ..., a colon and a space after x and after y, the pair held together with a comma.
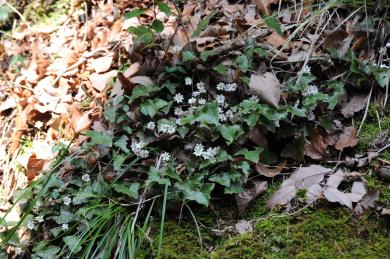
x: 164, y: 8
x: 188, y: 56
x: 203, y: 24
x: 122, y: 143
x: 130, y: 189
x: 43, y: 251
x: 99, y: 138
x: 73, y: 243
x: 118, y: 161
x: 65, y: 217
x: 144, y: 34
x: 142, y: 90
x: 194, y: 190
x: 273, y: 24
x: 134, y: 13
x: 297, y: 111
x: 242, y: 62
x: 156, y: 177
x: 5, y: 11
x: 382, y: 76
x: 220, y: 69
x: 204, y: 55
x: 261, y: 52
x: 252, y: 156
x: 158, y: 26
x: 230, y: 132
x: 152, y: 106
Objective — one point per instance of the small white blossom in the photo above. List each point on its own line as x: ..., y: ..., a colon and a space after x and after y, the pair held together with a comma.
x: 231, y: 87
x: 195, y: 93
x: 86, y: 178
x: 202, y: 101
x: 38, y: 124
x: 200, y: 87
x: 144, y: 153
x: 311, y: 116
x: 254, y: 98
x: 192, y: 100
x: 221, y: 86
x: 39, y: 219
x: 222, y: 117
x: 178, y: 111
x: 312, y: 89
x: 178, y: 98
x: 210, y: 153
x: 67, y: 200
x: 165, y: 156
x: 64, y: 226
x: 198, y: 150
x: 178, y: 121
x: 167, y: 128
x: 30, y: 225
x: 220, y: 99
x: 229, y: 114
x: 306, y: 69
x: 136, y: 147
x: 176, y: 49
x: 188, y: 81
x: 151, y: 125
x: 384, y: 66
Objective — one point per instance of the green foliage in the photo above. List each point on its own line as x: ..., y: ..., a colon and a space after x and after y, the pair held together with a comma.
x: 134, y: 13
x: 273, y: 23
x: 5, y: 12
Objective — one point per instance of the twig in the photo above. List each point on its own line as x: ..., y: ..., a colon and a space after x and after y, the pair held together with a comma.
x: 16, y: 11
x: 366, y: 110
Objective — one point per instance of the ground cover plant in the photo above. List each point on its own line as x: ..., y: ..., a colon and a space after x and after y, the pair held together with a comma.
x: 127, y: 115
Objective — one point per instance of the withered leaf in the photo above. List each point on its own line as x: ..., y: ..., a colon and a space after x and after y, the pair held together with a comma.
x: 266, y: 87
x: 101, y: 64
x: 282, y: 196
x: 347, y: 139
x: 99, y: 81
x: 270, y: 172
x: 332, y: 194
x: 79, y: 121
x: 245, y: 197
x: 356, y: 104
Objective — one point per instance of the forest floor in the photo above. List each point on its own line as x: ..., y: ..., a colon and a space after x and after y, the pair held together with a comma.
x: 195, y: 129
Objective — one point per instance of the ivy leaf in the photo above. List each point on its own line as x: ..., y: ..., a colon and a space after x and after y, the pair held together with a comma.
x: 152, y: 106
x: 156, y: 177
x: 252, y: 156
x: 73, y: 244
x: 242, y: 62
x: 142, y: 90
x: 118, y: 161
x: 261, y: 52
x: 204, y: 55
x: 144, y: 34
x: 130, y: 189
x: 273, y: 24
x: 122, y: 143
x: 203, y: 24
x: 99, y: 138
x: 194, y: 190
x: 382, y: 76
x: 158, y: 26
x: 45, y: 252
x: 188, y: 56
x: 164, y: 8
x: 134, y: 13
x: 230, y: 132
x: 220, y: 69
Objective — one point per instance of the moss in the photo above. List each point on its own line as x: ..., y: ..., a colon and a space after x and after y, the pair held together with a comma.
x: 375, y: 183
x: 320, y: 233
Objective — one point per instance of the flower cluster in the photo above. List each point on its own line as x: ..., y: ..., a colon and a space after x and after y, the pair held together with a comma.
x: 167, y: 128
x: 227, y: 87
x: 137, y: 148
x: 209, y: 153
x: 311, y: 90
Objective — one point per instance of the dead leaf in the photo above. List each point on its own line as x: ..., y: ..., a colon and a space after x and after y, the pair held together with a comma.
x: 132, y: 70
x: 356, y: 104
x: 245, y: 197
x: 80, y: 121
x: 335, y: 39
x: 275, y: 39
x: 332, y: 194
x: 34, y: 166
x: 319, y: 141
x: 10, y: 103
x: 270, y: 172
x: 266, y: 87
x: 264, y: 6
x: 347, y: 139
x: 282, y: 196
x: 313, y: 193
x: 335, y: 179
x: 101, y: 64
x: 141, y: 80
x: 257, y: 136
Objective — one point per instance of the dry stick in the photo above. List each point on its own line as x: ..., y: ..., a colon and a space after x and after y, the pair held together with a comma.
x: 366, y: 110
x: 16, y: 11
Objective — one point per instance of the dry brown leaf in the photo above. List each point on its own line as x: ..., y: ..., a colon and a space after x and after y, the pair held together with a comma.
x: 245, y: 197
x: 101, y: 64
x: 270, y: 172
x: 282, y: 196
x: 275, y: 39
x: 141, y: 80
x: 347, y: 139
x: 335, y: 39
x: 80, y: 121
x: 34, y: 166
x: 266, y: 87
x: 99, y: 81
x: 264, y: 6
x: 316, y: 148
x: 332, y: 194
x: 257, y: 136
x: 356, y: 104
x: 335, y: 179
x: 132, y: 70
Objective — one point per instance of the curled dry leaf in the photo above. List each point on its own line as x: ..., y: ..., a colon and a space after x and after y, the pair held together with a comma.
x: 258, y: 137
x: 270, y: 172
x: 316, y: 148
x: 79, y: 121
x: 347, y: 139
x: 245, y: 197
x: 282, y: 196
x: 142, y: 80
x: 266, y: 87
x: 101, y: 64
x: 356, y: 104
x: 99, y: 81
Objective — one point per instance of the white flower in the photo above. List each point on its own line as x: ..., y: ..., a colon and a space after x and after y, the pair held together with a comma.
x: 229, y: 114
x: 167, y: 128
x: 201, y: 101
x: 221, y: 86
x: 165, y: 156
x: 188, y: 81
x: 220, y: 99
x: 144, y: 153
x: 151, y: 125
x: 85, y: 178
x: 312, y: 89
x: 178, y: 121
x: 200, y: 87
x: 176, y: 49
x: 210, y: 153
x: 67, y: 200
x: 195, y: 93
x: 39, y: 219
x: 64, y: 226
x: 192, y: 100
x: 231, y: 87
x: 178, y: 98
x: 254, y: 98
x: 306, y: 69
x: 222, y: 117
x: 178, y: 111
x: 38, y: 124
x: 198, y: 150
x: 311, y: 116
x: 136, y: 147
x: 388, y: 45
x: 30, y: 225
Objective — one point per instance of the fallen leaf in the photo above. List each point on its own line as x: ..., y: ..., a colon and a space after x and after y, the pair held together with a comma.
x: 79, y: 121
x: 282, y: 196
x: 99, y: 81
x: 270, y: 172
x: 335, y: 179
x: 101, y: 64
x: 257, y: 136
x: 275, y: 39
x: 264, y: 6
x: 34, y: 166
x: 132, y: 70
x: 319, y: 141
x: 356, y: 104
x: 332, y: 194
x: 10, y: 103
x: 313, y: 193
x: 335, y: 39
x: 347, y: 139
x: 141, y: 80
x: 266, y: 87
x: 306, y: 176
x: 245, y: 197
